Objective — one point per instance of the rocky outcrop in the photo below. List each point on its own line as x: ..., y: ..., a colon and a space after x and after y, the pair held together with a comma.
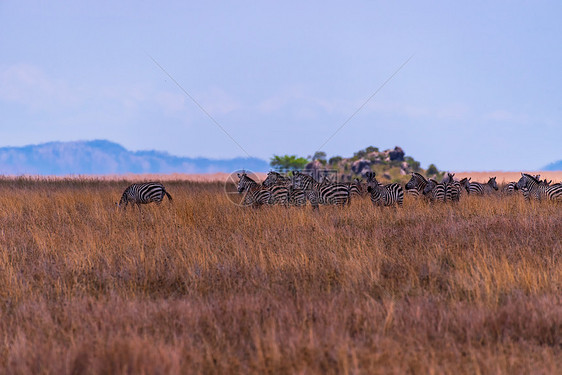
x: 361, y: 166
x: 397, y: 154
x: 314, y: 166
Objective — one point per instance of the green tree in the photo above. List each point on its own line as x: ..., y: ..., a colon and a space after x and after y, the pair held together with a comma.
x: 335, y: 160
x: 287, y: 162
x: 415, y: 165
x: 320, y: 156
x: 370, y: 149
x: 432, y: 170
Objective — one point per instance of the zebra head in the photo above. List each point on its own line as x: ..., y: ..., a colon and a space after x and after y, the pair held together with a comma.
x: 245, y: 182
x: 431, y: 183
x: 524, y: 181
x: 371, y: 181
x: 448, y: 178
x: 122, y: 202
x: 415, y: 181
x: 465, y: 182
x: 492, y: 183
x: 272, y: 179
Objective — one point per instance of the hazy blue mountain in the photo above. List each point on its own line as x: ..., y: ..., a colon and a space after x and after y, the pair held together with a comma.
x: 105, y: 157
x: 556, y: 166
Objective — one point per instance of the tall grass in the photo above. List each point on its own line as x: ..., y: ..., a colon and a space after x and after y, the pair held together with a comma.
x: 202, y: 285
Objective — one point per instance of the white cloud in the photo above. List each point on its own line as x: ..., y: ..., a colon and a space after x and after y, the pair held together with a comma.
x: 28, y: 85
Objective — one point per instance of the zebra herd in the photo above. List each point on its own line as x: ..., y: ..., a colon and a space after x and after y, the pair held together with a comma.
x: 301, y: 188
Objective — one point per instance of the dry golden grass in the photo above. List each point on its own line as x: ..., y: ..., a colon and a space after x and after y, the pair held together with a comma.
x: 204, y: 286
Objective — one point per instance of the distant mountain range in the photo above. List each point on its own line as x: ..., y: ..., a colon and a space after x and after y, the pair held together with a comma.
x: 556, y: 166
x: 104, y: 157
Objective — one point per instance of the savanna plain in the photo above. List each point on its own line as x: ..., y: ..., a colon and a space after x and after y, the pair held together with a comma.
x: 201, y: 285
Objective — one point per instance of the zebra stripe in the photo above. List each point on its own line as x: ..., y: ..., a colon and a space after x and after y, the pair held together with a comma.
x: 319, y: 193
x: 276, y: 178
x: 436, y: 191
x: 416, y: 185
x: 357, y: 188
x: 453, y: 191
x: 538, y: 190
x: 297, y: 197
x: 256, y: 195
x: 143, y: 193
x: 384, y: 195
x: 481, y: 189
x: 510, y: 188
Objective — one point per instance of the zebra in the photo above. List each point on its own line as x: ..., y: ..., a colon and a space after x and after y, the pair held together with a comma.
x: 481, y: 189
x: 319, y: 193
x: 143, y: 193
x: 276, y: 178
x: 297, y: 197
x: 510, y: 188
x: 436, y: 191
x: 384, y: 195
x: 357, y: 188
x: 278, y: 186
x: 533, y: 187
x: 450, y: 177
x: 256, y: 195
x: 416, y: 185
x: 453, y: 191
x: 453, y: 188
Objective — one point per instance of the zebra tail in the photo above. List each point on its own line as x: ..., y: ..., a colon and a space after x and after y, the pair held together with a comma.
x: 168, y: 195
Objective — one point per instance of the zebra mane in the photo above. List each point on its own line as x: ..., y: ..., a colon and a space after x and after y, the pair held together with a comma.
x: 306, y: 176
x: 532, y: 178
x: 246, y: 177
x: 419, y: 176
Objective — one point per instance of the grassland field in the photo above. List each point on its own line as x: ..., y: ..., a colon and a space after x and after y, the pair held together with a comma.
x: 201, y: 285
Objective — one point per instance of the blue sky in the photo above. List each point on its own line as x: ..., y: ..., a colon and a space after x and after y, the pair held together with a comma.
x: 481, y: 92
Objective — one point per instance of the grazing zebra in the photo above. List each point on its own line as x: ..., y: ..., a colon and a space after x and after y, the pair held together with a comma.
x: 436, y: 191
x: 384, y: 195
x: 319, y: 193
x: 143, y: 193
x: 256, y: 195
x: 532, y: 187
x: 416, y: 185
x: 481, y: 189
